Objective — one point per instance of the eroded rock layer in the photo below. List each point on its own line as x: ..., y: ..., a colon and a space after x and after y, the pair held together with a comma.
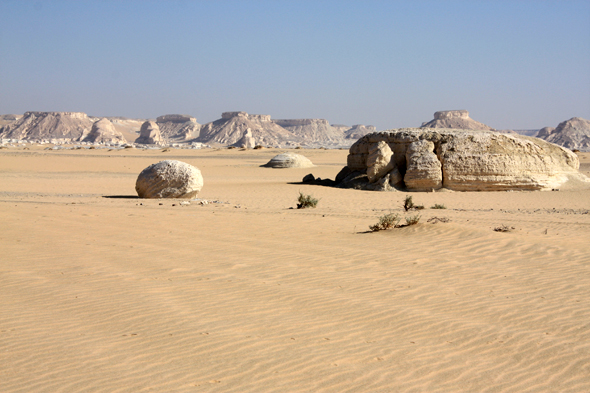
x: 458, y: 119
x: 464, y: 160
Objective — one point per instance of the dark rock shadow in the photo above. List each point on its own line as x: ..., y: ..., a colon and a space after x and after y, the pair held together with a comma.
x: 121, y: 196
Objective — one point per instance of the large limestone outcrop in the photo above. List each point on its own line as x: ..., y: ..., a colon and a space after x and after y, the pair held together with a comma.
x: 178, y: 128
x: 465, y: 161
x: 150, y: 134
x: 103, y: 131
x: 573, y: 134
x: 458, y: 119
x: 169, y: 179
x: 63, y: 126
x: 289, y: 160
x: 231, y: 128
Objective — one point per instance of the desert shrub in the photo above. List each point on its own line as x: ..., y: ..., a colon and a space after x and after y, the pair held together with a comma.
x: 409, y: 204
x: 504, y: 228
x: 437, y: 206
x: 412, y: 220
x: 306, y: 201
x: 387, y: 221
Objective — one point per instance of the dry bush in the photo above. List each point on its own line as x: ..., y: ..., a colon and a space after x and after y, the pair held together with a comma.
x: 387, y: 221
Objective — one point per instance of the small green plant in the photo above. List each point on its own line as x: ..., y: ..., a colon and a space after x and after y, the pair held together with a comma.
x: 387, y: 221
x: 306, y: 201
x: 412, y: 220
x: 409, y: 204
x: 437, y: 206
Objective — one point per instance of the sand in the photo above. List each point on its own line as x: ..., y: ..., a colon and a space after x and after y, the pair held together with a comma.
x: 104, y: 292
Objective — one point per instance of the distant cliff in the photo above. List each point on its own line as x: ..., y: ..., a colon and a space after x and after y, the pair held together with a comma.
x: 67, y: 126
x: 573, y: 134
x: 457, y: 119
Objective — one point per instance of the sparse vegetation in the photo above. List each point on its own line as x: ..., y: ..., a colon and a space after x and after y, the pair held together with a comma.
x: 437, y: 206
x: 412, y: 220
x: 504, y: 228
x: 409, y: 204
x: 306, y: 201
x: 387, y: 221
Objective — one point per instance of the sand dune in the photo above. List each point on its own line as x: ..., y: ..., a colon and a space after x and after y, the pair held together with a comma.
x: 244, y: 294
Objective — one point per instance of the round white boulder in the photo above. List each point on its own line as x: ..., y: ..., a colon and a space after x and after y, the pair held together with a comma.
x: 169, y: 179
x: 289, y: 160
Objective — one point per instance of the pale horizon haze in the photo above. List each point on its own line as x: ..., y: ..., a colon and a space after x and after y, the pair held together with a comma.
x: 511, y: 64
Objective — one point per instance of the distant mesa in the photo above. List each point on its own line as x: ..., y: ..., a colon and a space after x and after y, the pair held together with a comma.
x: 457, y: 119
x: 149, y: 134
x: 37, y: 126
x: 358, y: 131
x: 236, y: 128
x: 178, y: 128
x: 103, y: 131
x: 573, y: 134
x: 233, y: 125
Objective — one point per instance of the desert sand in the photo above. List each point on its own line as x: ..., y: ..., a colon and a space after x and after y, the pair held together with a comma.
x: 104, y: 292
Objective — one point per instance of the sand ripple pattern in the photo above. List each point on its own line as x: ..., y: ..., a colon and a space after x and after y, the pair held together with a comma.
x: 214, y: 301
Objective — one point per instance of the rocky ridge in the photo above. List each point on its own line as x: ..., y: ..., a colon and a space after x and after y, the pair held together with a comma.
x: 38, y: 126
x: 573, y: 134
x: 178, y: 128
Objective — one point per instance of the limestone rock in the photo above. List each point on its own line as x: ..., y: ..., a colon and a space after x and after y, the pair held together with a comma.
x: 379, y: 161
x: 358, y: 131
x: 169, y: 179
x: 289, y: 160
x: 573, y: 134
x: 316, y: 130
x: 247, y: 141
x: 545, y: 132
x: 471, y: 160
x: 61, y: 126
x: 423, y: 169
x: 103, y: 131
x: 231, y: 127
x: 458, y: 119
x: 178, y: 128
x: 149, y: 134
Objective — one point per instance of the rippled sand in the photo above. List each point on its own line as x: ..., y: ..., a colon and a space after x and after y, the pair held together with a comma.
x: 245, y: 294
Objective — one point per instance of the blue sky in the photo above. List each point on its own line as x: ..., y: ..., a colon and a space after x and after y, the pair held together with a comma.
x: 511, y: 64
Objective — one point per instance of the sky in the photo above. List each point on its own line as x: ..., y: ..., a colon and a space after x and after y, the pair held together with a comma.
x: 512, y: 64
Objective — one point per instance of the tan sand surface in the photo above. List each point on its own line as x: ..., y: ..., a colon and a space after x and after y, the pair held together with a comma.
x: 245, y: 294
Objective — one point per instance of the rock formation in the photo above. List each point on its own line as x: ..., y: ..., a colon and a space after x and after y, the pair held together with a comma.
x: 103, y: 131
x: 149, y: 134
x: 545, y: 132
x: 247, y: 141
x: 169, y: 179
x: 573, y: 134
x: 231, y: 128
x: 63, y: 126
x: 311, y: 130
x: 178, y: 128
x: 458, y: 119
x: 358, y: 131
x: 289, y: 160
x: 460, y: 160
